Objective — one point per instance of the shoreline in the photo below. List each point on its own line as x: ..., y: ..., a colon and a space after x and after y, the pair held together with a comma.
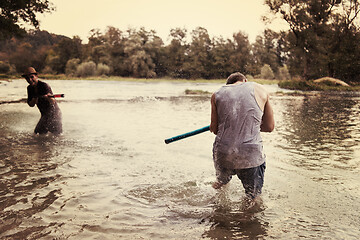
x: 131, y: 79
x: 303, y: 86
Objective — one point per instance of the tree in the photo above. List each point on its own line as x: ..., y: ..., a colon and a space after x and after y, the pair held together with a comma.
x: 267, y: 72
x: 62, y: 52
x: 86, y: 69
x: 176, y: 53
x: 241, y: 59
x: 102, y: 69
x: 221, y: 53
x: 71, y: 66
x: 100, y: 54
x: 4, y: 67
x: 198, y: 62
x: 12, y: 12
x: 39, y: 45
x: 267, y: 49
x: 140, y: 51
x: 319, y: 30
x: 283, y: 73
x: 21, y: 58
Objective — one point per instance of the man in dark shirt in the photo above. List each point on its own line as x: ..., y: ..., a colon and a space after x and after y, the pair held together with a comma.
x: 41, y: 95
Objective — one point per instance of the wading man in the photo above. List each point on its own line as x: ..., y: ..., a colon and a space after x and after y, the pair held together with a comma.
x: 240, y: 110
x: 41, y: 95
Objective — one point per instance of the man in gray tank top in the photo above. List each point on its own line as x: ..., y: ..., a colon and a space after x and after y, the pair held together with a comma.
x: 240, y: 110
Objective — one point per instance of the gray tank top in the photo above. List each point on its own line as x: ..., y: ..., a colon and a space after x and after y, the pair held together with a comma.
x: 238, y: 144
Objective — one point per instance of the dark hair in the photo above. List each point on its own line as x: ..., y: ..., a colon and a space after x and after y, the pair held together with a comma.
x: 234, y: 77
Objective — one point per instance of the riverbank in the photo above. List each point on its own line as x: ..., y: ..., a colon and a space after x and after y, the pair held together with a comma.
x: 298, y: 85
x: 310, y: 85
x: 4, y: 77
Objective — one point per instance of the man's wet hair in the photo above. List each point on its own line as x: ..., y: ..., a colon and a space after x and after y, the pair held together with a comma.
x: 234, y: 77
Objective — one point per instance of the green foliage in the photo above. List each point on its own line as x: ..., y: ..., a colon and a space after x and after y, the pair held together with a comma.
x: 22, y: 57
x: 65, y: 50
x: 53, y: 61
x: 321, y: 35
x: 31, y: 50
x: 86, y: 69
x: 267, y: 72
x: 176, y: 54
x: 307, y: 85
x: 102, y: 69
x: 249, y: 77
x: 322, y: 41
x: 283, y: 73
x: 4, y: 67
x: 222, y: 50
x: 12, y: 12
x: 140, y: 52
x: 241, y: 57
x: 198, y: 54
x: 48, y: 70
x: 268, y: 49
x: 134, y: 53
x: 71, y: 66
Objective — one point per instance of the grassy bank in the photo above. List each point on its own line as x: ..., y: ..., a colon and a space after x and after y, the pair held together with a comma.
x: 291, y: 84
x: 313, y: 86
x: 116, y: 78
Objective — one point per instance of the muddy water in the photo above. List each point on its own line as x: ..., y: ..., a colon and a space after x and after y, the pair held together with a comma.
x: 110, y: 175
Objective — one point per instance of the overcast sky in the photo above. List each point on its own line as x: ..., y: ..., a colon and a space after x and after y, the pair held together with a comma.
x: 220, y: 18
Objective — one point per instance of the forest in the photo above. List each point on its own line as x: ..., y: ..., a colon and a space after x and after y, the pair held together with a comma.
x: 322, y: 40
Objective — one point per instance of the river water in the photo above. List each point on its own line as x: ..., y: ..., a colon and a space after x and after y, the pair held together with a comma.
x: 111, y: 176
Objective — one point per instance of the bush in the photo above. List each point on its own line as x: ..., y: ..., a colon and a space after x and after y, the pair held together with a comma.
x: 267, y: 72
x: 4, y: 67
x: 284, y: 73
x: 249, y: 77
x: 313, y: 86
x: 86, y: 69
x: 71, y: 66
x: 48, y: 70
x: 102, y: 69
x: 12, y: 70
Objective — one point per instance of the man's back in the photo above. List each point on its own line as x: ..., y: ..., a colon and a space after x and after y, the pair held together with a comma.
x: 239, y: 114
x: 238, y: 143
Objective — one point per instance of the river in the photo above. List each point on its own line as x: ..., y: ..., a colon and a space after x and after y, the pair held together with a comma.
x: 111, y: 176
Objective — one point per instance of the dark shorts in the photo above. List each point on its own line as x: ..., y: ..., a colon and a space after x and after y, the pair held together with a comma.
x: 251, y: 178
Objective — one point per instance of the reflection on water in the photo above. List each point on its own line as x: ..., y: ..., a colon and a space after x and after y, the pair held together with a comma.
x: 110, y: 175
x: 26, y: 171
x: 323, y: 130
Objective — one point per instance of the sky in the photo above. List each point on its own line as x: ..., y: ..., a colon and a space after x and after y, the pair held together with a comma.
x: 220, y: 18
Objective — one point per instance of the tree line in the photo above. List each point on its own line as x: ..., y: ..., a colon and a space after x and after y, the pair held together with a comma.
x: 142, y: 54
x: 322, y: 40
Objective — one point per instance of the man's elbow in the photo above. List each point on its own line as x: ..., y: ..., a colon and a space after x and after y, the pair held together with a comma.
x: 267, y: 127
x: 31, y: 104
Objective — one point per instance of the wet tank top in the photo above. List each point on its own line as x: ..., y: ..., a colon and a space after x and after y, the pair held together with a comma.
x: 238, y: 144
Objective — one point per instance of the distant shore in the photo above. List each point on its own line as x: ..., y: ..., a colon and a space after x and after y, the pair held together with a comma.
x: 311, y: 85
x: 4, y: 77
x: 298, y: 85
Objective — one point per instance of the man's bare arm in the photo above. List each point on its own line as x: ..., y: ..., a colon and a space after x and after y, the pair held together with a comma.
x: 268, y: 122
x: 214, y: 120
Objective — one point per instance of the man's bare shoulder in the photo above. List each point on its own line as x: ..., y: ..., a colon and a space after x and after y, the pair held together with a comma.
x: 260, y: 91
x: 259, y: 86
